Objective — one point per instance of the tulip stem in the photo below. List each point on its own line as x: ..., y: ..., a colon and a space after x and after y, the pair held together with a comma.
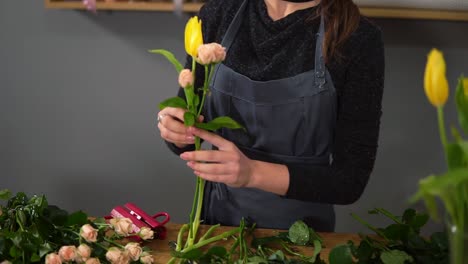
x: 443, y: 135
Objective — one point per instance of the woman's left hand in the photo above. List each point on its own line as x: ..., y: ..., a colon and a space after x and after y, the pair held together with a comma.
x: 227, y: 165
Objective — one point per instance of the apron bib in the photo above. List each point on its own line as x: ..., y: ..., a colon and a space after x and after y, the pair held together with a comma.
x: 287, y: 121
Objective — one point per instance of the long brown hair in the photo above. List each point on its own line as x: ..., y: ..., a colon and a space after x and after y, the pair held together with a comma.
x: 341, y: 20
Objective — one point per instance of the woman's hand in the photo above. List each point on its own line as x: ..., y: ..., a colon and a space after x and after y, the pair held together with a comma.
x: 172, y: 128
x: 226, y: 165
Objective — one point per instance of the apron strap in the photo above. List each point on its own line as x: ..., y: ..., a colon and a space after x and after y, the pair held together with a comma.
x: 234, y: 27
x: 319, y: 61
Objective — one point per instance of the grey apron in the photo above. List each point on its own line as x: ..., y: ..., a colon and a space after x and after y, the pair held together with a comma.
x: 287, y: 121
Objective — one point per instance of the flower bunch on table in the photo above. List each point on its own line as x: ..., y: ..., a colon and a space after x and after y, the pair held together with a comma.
x: 207, y: 56
x: 33, y: 231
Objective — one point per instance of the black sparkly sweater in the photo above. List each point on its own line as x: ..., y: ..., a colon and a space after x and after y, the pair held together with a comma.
x: 266, y: 50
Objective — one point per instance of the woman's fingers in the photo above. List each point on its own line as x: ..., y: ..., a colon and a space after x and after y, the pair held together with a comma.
x: 212, y: 138
x: 174, y: 137
x: 209, y: 156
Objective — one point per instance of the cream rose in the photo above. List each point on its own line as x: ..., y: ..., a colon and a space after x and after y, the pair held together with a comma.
x: 185, y: 78
x: 146, y: 233
x: 67, y: 253
x: 117, y: 256
x: 211, y: 53
x: 146, y: 258
x: 5, y: 261
x: 93, y: 261
x: 122, y: 226
x: 89, y: 233
x: 134, y: 250
x: 53, y: 258
x: 83, y: 253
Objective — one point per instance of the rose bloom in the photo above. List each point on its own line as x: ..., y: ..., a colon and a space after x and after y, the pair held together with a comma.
x: 134, y: 250
x: 116, y: 256
x: 89, y: 233
x: 83, y: 253
x: 93, y: 261
x: 185, y: 78
x: 146, y: 233
x: 67, y: 253
x: 53, y: 258
x: 211, y: 53
x: 146, y: 258
x: 122, y: 226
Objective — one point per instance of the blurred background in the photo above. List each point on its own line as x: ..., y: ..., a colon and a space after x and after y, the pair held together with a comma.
x: 79, y: 95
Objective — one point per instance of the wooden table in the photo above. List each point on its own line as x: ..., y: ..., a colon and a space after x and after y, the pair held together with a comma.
x: 162, y: 254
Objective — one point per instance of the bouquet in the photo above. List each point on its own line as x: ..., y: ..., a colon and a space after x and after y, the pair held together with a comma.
x: 208, y: 56
x: 33, y: 231
x: 452, y: 186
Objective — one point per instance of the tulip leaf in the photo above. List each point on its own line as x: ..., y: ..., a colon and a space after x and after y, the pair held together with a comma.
x: 219, y: 122
x: 5, y: 194
x: 461, y: 101
x: 170, y: 57
x: 189, y: 119
x: 455, y: 156
x: 173, y: 102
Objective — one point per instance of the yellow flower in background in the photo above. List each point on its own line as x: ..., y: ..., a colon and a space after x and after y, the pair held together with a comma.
x: 465, y: 86
x: 193, y: 36
x: 435, y: 81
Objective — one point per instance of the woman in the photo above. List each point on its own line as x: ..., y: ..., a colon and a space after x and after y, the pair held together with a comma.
x: 306, y: 81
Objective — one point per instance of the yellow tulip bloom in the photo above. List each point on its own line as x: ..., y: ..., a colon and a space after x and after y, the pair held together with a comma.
x: 435, y: 80
x: 465, y: 86
x: 193, y: 36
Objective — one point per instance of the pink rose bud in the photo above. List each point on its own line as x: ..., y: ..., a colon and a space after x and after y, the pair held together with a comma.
x: 89, y: 233
x: 122, y: 226
x: 116, y: 256
x: 83, y: 253
x: 146, y: 258
x: 146, y: 233
x: 53, y: 258
x: 185, y: 78
x: 67, y: 253
x: 93, y: 261
x: 211, y: 53
x: 134, y: 250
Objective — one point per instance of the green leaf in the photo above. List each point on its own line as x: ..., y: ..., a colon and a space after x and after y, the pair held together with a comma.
x: 299, y: 233
x: 219, y: 122
x: 364, y: 252
x: 461, y: 101
x: 169, y: 56
x: 56, y: 215
x: 278, y: 256
x: 396, y: 232
x: 314, y: 236
x: 317, y: 249
x: 173, y: 102
x: 455, y: 156
x: 78, y: 218
x: 439, y: 240
x: 189, y: 119
x: 419, y: 221
x: 5, y: 194
x: 408, y: 215
x: 44, y: 249
x: 257, y: 260
x: 35, y: 258
x: 395, y: 257
x: 340, y: 255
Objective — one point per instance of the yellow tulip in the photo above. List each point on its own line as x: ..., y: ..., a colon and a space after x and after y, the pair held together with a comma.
x: 193, y: 36
x: 435, y: 81
x: 465, y: 86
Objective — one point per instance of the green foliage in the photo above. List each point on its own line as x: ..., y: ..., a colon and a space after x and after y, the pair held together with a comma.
x: 219, y: 122
x: 461, y: 101
x: 170, y: 57
x: 173, y: 102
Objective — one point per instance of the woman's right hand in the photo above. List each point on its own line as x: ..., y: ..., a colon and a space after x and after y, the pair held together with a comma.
x: 172, y: 128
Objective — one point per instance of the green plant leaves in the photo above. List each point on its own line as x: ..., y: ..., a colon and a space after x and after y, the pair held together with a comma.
x: 219, y: 122
x: 340, y: 255
x: 299, y: 233
x: 78, y: 218
x: 170, y: 57
x: 461, y: 101
x: 173, y: 102
x: 5, y: 194
x: 395, y: 257
x: 189, y: 119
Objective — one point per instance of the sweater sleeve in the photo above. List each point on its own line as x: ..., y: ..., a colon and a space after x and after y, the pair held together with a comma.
x: 356, y: 134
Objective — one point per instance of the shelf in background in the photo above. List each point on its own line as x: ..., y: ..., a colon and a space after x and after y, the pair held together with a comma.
x: 168, y: 6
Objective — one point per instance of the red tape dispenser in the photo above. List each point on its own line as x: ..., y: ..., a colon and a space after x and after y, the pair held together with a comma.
x: 141, y: 219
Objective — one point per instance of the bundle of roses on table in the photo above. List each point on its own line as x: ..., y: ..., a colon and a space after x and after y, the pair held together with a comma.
x: 33, y: 231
